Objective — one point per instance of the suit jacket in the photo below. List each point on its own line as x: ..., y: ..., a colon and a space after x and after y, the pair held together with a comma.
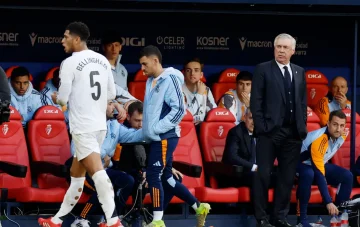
x: 268, y: 100
x: 238, y: 147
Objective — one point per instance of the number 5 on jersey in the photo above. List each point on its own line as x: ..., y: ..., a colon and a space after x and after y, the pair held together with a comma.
x: 96, y: 84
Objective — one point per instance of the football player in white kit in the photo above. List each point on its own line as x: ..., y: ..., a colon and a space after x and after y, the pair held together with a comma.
x: 87, y: 84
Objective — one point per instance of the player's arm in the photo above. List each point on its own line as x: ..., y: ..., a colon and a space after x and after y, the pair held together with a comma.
x: 129, y: 135
x: 111, y: 90
x: 318, y: 149
x: 257, y: 99
x: 66, y: 77
x: 322, y: 110
x: 210, y: 101
x: 122, y: 95
x: 175, y: 100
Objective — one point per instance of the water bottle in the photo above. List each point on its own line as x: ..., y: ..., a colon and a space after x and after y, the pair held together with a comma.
x: 338, y: 218
x: 344, y: 219
x: 333, y: 221
x: 319, y: 220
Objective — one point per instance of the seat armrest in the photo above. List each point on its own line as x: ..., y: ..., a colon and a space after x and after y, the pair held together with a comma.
x: 188, y: 169
x: 221, y: 169
x: 38, y: 167
x: 13, y: 169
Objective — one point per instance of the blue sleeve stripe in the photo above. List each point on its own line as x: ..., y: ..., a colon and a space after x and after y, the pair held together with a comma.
x: 43, y: 100
x: 180, y: 112
x: 45, y: 90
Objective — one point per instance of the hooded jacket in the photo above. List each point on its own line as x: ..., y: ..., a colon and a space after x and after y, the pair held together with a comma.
x: 164, y: 106
x: 28, y: 103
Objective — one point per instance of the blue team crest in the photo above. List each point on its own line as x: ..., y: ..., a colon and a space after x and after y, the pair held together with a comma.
x: 112, y: 135
x: 123, y: 73
x: 157, y: 89
x: 29, y: 109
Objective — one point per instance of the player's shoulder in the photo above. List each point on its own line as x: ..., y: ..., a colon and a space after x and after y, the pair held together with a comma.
x: 173, y: 75
x: 68, y: 63
x: 314, y: 135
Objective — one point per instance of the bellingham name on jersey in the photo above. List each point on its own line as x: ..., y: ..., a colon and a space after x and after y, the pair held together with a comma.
x: 86, y: 61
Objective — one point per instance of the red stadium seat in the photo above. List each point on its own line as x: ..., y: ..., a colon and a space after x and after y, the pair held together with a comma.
x: 49, y: 76
x: 49, y: 141
x: 227, y: 81
x: 14, y: 149
x: 316, y: 85
x: 137, y: 87
x: 313, y: 121
x: 213, y: 132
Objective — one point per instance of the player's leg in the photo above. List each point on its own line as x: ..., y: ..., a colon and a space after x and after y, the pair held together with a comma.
x: 71, y: 197
x: 178, y: 189
x: 343, y: 178
x: 306, y: 178
x: 91, y: 160
x: 168, y: 192
x: 91, y: 205
x: 156, y: 160
x: 123, y: 184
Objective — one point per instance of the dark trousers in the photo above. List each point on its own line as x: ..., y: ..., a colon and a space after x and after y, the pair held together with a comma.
x: 284, y: 145
x: 160, y: 178
x: 120, y: 180
x: 334, y: 175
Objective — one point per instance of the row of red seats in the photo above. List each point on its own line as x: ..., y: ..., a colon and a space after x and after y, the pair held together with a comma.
x: 49, y: 148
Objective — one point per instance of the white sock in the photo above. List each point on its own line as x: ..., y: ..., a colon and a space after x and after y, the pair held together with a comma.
x: 158, y: 215
x: 105, y: 191
x: 194, y: 206
x: 71, y: 197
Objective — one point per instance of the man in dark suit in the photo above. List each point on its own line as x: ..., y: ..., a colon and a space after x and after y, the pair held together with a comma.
x: 279, y: 107
x: 240, y: 149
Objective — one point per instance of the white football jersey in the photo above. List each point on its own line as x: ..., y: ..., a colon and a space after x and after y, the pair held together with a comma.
x: 92, y: 85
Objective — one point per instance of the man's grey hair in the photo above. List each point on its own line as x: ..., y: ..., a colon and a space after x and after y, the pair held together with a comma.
x: 285, y: 36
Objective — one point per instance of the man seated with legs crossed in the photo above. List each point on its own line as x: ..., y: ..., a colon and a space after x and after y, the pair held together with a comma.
x: 317, y: 149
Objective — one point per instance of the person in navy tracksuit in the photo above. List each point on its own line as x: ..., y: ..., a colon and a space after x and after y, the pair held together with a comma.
x: 164, y: 109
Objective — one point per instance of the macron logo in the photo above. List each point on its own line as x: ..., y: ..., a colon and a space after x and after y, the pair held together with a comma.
x: 32, y: 38
x: 242, y: 42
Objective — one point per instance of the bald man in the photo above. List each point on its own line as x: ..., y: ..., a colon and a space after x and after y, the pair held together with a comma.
x: 335, y: 100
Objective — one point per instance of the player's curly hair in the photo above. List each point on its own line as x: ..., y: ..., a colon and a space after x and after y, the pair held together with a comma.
x: 80, y: 29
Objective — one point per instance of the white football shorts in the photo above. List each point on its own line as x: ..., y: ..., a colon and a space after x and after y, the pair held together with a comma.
x: 86, y: 143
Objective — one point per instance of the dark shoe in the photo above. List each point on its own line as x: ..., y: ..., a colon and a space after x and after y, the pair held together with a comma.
x: 264, y: 223
x: 281, y: 223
